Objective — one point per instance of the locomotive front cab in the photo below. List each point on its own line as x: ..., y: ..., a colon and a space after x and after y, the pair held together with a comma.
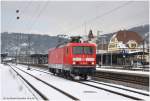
x: 83, y: 59
x: 83, y: 55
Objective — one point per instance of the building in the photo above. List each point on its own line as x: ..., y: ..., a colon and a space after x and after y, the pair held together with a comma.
x: 33, y: 59
x: 128, y: 41
x: 122, y: 48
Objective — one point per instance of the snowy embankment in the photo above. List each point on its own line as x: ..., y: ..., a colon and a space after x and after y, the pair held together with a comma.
x: 12, y: 87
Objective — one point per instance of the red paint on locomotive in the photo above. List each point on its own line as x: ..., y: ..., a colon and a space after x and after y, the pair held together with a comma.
x: 73, y: 59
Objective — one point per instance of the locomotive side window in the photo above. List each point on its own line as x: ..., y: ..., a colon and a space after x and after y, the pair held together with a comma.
x: 83, y: 50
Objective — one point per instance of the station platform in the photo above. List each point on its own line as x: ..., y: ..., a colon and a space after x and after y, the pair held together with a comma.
x: 127, y: 72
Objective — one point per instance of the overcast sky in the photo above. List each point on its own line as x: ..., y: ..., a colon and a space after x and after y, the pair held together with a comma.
x: 75, y: 18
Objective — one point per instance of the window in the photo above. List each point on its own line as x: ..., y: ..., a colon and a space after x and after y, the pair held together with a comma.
x: 88, y: 50
x: 112, y: 46
x: 133, y: 45
x: 78, y: 50
x: 83, y: 50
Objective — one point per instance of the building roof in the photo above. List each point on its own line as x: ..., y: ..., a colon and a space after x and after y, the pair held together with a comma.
x: 126, y: 36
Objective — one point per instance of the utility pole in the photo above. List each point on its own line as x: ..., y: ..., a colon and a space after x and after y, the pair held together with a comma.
x: 101, y: 45
x: 28, y: 52
x: 103, y: 38
x: 111, y: 59
x: 17, y: 40
x: 17, y: 46
x: 85, y: 28
x: 98, y: 34
x: 102, y: 53
x: 143, y: 51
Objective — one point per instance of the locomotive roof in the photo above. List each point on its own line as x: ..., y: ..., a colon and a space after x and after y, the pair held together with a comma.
x: 74, y: 44
x: 81, y: 44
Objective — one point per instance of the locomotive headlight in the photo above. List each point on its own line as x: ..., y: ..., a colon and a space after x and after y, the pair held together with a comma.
x: 74, y: 63
x: 92, y: 63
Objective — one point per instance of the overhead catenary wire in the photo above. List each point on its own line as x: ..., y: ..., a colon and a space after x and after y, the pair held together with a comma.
x: 41, y: 8
x: 38, y: 15
x: 99, y: 16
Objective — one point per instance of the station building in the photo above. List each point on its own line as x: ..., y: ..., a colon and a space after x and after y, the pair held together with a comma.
x: 33, y: 59
x: 122, y: 48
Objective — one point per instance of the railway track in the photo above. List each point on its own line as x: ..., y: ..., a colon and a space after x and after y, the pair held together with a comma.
x: 138, y: 92
x: 108, y: 90
x: 123, y: 77
x: 40, y: 93
x: 32, y: 86
x: 122, y: 88
x: 111, y: 91
x: 143, y: 81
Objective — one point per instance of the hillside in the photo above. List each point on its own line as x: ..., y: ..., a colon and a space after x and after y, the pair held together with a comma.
x: 41, y: 43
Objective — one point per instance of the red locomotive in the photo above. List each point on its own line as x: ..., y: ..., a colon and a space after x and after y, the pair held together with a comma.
x: 76, y: 60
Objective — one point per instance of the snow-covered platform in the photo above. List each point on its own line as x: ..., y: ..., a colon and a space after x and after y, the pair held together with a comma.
x: 12, y: 87
x: 127, y: 72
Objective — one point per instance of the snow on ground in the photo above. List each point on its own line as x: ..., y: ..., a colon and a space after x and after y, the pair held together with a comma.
x: 121, y: 86
x: 49, y: 92
x: 83, y: 92
x: 120, y: 90
x: 11, y: 86
x: 141, y: 73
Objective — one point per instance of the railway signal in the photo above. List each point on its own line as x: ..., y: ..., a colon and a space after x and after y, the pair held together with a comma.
x: 18, y: 17
x: 17, y: 11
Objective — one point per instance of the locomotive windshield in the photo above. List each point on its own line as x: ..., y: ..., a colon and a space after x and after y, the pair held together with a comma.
x: 83, y: 50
